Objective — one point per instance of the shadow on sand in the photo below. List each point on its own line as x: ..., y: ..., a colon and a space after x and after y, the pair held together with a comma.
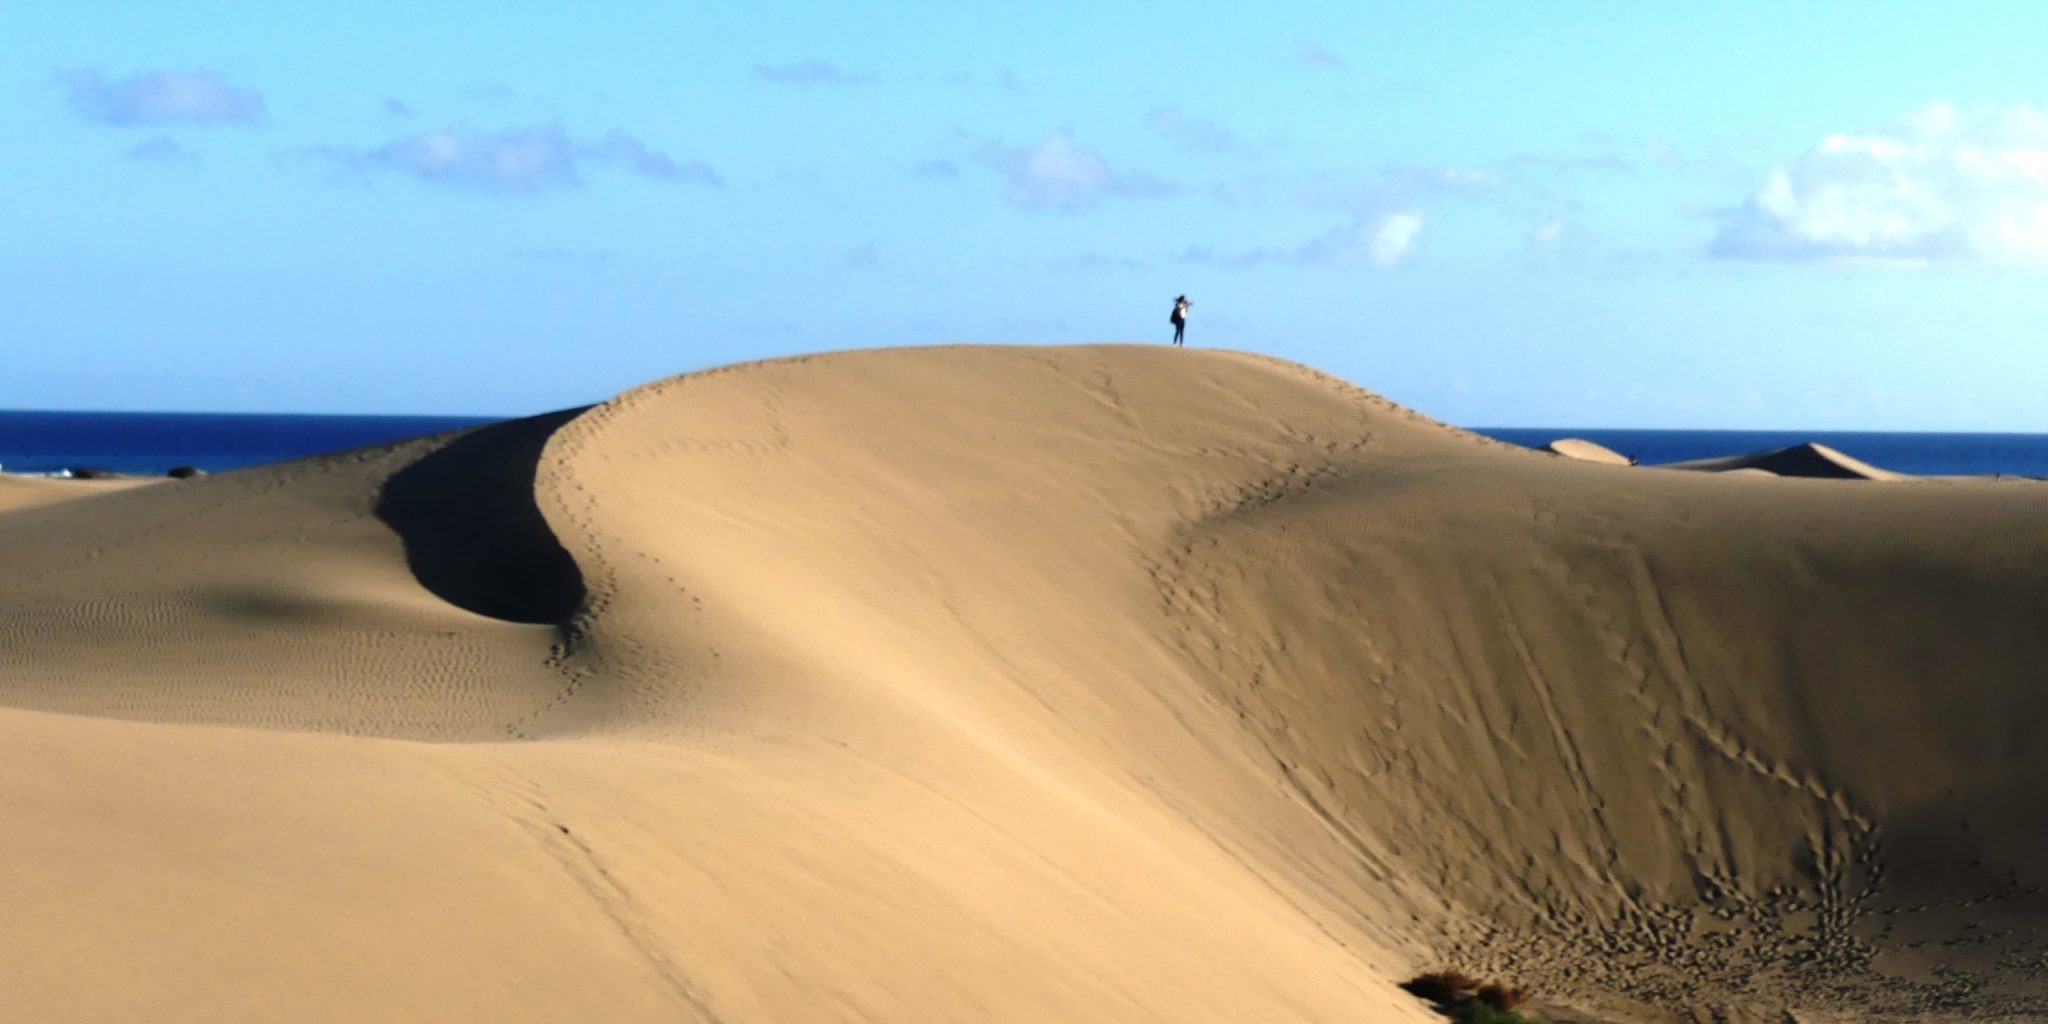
x: 473, y: 534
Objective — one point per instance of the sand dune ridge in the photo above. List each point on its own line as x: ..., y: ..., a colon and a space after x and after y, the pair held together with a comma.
x: 1104, y: 683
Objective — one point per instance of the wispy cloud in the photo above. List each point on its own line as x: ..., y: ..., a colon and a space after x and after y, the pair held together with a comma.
x: 1383, y: 218
x: 1942, y: 185
x: 159, y: 98
x: 809, y: 71
x: 1195, y: 134
x: 397, y: 108
x: 1312, y: 54
x: 518, y: 160
x: 1379, y: 241
x: 627, y: 150
x: 1060, y: 174
x: 161, y: 150
x: 937, y: 169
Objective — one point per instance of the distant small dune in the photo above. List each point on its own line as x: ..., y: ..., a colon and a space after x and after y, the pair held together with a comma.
x: 1817, y: 461
x: 1587, y: 451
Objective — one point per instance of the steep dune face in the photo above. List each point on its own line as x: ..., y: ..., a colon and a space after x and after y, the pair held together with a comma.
x: 1661, y: 742
x: 1019, y: 684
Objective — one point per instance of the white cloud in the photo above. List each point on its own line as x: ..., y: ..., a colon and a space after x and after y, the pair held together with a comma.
x: 1391, y: 241
x: 1058, y: 174
x: 1547, y: 233
x: 160, y: 97
x: 518, y: 160
x: 1941, y: 185
x: 1380, y: 241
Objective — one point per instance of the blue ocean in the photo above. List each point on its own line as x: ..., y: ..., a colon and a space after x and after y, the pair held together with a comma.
x: 153, y: 443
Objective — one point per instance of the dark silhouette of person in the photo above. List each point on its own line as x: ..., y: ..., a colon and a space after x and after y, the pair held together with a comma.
x: 1180, y: 318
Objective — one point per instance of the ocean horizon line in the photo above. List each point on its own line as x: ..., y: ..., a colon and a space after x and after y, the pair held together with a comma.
x: 151, y: 443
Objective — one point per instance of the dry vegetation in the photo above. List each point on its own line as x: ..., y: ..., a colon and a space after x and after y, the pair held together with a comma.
x: 1469, y: 1001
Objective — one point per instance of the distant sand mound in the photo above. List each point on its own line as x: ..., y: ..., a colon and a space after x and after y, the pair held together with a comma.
x: 18, y: 491
x: 1586, y: 451
x: 1018, y: 684
x: 1817, y: 461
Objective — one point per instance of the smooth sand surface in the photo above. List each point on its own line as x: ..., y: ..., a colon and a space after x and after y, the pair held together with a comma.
x: 19, y: 491
x: 1586, y: 451
x: 1017, y: 684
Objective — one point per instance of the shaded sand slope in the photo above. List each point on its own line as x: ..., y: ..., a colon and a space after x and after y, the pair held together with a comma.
x: 1016, y: 684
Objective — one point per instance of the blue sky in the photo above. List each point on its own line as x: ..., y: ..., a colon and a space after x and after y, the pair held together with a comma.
x: 1583, y: 214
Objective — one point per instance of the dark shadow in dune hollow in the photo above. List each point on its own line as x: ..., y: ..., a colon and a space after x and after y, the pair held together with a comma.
x: 473, y: 534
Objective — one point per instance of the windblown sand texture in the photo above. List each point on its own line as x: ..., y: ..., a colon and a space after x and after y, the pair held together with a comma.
x: 1017, y: 684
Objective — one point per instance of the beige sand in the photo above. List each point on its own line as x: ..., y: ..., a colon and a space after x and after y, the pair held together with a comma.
x: 1091, y: 684
x: 1817, y: 461
x: 1586, y: 451
x: 19, y: 491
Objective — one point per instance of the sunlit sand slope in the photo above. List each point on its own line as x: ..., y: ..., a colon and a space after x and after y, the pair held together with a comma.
x: 1096, y: 684
x: 18, y: 491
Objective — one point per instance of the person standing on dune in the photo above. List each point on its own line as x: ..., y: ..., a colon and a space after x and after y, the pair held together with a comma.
x: 1180, y: 318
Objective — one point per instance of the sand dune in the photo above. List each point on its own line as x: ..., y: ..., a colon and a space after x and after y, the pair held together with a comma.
x: 1020, y: 684
x: 1817, y: 461
x: 1586, y: 451
x: 18, y: 491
